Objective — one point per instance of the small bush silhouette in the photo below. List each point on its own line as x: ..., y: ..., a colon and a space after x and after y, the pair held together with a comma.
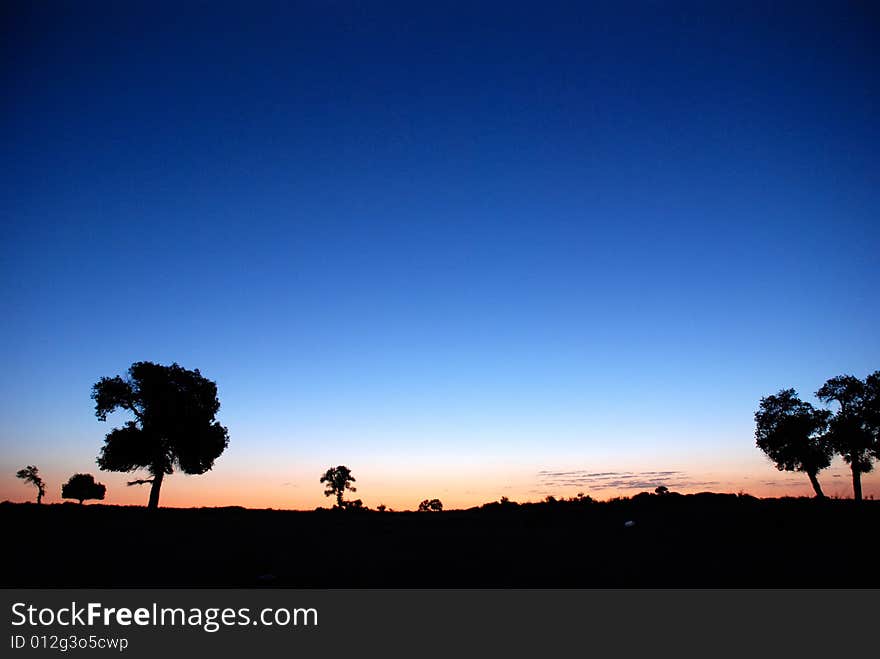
x: 431, y: 505
x: 82, y: 487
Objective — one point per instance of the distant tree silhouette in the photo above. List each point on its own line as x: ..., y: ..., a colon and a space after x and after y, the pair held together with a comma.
x: 661, y: 490
x: 852, y: 431
x: 82, y: 487
x: 338, y: 480
x: 790, y: 432
x: 173, y: 426
x: 381, y: 507
x: 431, y: 505
x: 30, y: 474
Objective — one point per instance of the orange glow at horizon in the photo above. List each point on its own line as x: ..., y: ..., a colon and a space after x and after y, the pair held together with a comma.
x: 464, y: 489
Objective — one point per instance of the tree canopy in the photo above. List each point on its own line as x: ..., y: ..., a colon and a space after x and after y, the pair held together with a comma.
x: 790, y: 432
x: 337, y: 480
x: 853, y: 429
x: 431, y: 505
x: 872, y: 410
x: 31, y: 474
x: 174, y: 423
x: 82, y: 487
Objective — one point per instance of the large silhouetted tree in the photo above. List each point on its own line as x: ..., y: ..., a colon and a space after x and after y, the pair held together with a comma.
x: 82, y: 487
x: 337, y: 480
x: 852, y: 431
x: 790, y: 432
x: 173, y: 426
x: 872, y: 409
x: 31, y: 474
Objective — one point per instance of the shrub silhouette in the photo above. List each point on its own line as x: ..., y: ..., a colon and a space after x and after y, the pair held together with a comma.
x: 82, y: 487
x: 853, y: 430
x: 431, y: 505
x: 338, y: 480
x: 173, y: 426
x: 30, y: 474
x: 661, y: 490
x: 790, y: 432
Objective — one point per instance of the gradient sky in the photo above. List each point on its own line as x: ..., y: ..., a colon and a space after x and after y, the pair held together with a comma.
x: 458, y: 247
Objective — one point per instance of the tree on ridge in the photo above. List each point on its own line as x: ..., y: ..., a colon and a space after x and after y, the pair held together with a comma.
x: 853, y: 429
x: 431, y: 505
x: 174, y: 423
x: 338, y: 480
x: 791, y: 433
x: 82, y: 487
x: 31, y: 474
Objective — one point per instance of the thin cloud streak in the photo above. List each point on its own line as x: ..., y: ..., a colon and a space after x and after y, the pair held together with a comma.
x: 618, y: 480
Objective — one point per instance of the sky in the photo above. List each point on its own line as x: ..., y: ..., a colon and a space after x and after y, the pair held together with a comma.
x: 468, y: 249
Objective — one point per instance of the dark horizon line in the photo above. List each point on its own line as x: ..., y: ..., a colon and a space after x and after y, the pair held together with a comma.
x: 570, y: 500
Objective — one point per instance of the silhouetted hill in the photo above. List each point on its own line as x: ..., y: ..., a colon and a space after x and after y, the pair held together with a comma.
x: 704, y: 539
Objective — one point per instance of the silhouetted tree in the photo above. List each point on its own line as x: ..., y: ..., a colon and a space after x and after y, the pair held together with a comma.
x: 338, y: 480
x: 173, y: 426
x: 381, y: 507
x: 30, y: 474
x: 790, y: 432
x: 82, y: 487
x: 431, y: 505
x: 872, y: 409
x: 661, y: 490
x: 852, y: 431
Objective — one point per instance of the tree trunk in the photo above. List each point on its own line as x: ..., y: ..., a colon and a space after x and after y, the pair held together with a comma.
x: 154, y: 489
x: 339, y: 499
x: 814, y: 481
x: 39, y: 497
x: 857, y: 483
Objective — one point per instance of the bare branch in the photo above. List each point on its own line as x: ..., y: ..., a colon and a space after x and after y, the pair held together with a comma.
x: 130, y: 406
x: 140, y: 481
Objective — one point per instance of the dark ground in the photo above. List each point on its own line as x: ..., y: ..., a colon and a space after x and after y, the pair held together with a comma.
x: 694, y: 540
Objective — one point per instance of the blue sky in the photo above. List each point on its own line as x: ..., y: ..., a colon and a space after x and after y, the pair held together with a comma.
x: 522, y: 236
